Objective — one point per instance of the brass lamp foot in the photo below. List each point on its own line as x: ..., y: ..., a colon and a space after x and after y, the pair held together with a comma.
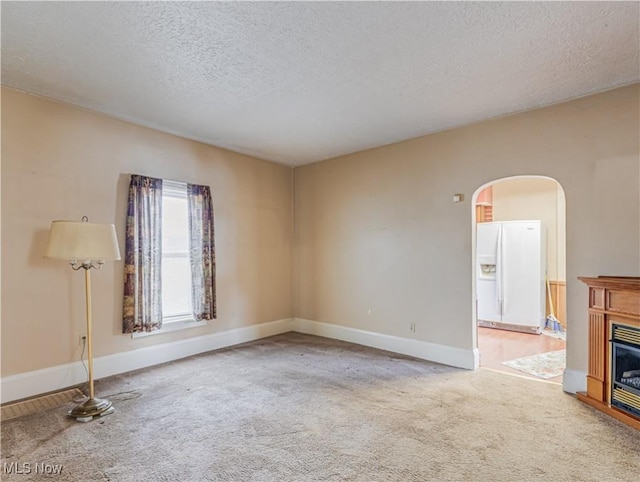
x: 91, y: 408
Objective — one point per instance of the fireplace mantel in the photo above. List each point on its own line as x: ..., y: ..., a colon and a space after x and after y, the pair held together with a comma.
x: 611, y: 300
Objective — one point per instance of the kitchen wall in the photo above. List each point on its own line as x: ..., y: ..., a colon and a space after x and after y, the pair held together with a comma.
x: 536, y: 198
x: 60, y: 162
x: 380, y: 245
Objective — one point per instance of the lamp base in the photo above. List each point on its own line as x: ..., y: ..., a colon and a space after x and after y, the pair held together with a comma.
x: 92, y: 408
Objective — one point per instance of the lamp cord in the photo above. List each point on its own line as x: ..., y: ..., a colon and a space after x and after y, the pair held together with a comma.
x: 84, y: 344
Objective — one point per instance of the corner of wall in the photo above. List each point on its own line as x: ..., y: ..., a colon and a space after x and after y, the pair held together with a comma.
x: 574, y: 381
x: 293, y: 257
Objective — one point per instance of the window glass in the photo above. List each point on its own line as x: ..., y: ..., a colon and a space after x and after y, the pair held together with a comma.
x: 176, y: 268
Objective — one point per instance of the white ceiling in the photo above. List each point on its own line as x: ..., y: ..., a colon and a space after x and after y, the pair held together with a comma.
x: 301, y: 82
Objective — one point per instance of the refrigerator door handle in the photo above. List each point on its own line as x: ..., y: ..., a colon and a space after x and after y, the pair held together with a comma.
x: 503, y: 270
x: 499, y: 273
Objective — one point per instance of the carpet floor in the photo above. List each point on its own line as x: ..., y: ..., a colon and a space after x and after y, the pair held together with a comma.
x: 301, y: 408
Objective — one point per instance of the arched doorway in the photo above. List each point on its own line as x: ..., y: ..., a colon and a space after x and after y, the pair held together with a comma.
x: 524, y: 332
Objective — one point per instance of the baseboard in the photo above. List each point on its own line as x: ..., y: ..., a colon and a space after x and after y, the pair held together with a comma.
x: 447, y: 355
x: 574, y: 381
x: 23, y: 385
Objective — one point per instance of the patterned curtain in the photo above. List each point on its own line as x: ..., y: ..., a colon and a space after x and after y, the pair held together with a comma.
x: 202, y: 252
x: 142, y: 309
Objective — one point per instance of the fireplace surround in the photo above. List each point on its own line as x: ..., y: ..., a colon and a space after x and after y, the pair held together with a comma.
x: 614, y: 347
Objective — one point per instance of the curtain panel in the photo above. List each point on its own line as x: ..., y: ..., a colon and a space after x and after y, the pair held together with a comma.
x: 142, y: 310
x: 202, y: 252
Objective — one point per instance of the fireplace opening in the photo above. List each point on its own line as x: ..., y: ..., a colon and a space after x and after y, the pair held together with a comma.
x: 625, y: 368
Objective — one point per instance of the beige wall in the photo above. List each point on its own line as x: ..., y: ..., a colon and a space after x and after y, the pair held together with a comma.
x: 379, y: 244
x: 535, y: 198
x: 59, y: 162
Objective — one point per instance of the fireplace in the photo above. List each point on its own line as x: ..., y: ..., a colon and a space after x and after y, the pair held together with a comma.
x: 625, y: 368
x: 614, y: 355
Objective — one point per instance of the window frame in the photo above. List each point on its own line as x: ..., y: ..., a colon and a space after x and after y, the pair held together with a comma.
x: 181, y: 321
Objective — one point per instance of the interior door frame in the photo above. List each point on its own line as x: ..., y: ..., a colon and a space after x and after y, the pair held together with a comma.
x: 474, y: 317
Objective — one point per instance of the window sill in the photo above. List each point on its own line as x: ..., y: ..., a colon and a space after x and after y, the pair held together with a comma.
x: 170, y: 326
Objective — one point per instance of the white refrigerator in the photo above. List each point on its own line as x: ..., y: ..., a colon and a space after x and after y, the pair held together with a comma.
x: 511, y: 268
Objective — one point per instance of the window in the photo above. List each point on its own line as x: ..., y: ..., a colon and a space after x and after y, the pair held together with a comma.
x: 170, y: 264
x: 176, y: 265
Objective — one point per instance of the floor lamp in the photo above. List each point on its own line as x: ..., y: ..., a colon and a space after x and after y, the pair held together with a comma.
x: 87, y: 246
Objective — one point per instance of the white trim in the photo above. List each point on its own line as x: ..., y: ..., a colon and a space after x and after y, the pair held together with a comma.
x: 445, y: 354
x: 476, y: 358
x: 23, y: 385
x: 169, y: 326
x: 574, y: 381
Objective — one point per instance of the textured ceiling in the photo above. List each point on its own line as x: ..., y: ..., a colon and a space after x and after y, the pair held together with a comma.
x: 301, y: 82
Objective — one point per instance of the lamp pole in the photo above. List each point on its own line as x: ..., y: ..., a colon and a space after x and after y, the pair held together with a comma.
x: 93, y: 406
x: 87, y: 289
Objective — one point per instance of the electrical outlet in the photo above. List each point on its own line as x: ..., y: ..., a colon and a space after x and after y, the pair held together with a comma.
x: 82, y: 339
x: 412, y: 327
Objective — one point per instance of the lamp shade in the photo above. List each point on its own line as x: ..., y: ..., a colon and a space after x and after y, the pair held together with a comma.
x: 77, y: 240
